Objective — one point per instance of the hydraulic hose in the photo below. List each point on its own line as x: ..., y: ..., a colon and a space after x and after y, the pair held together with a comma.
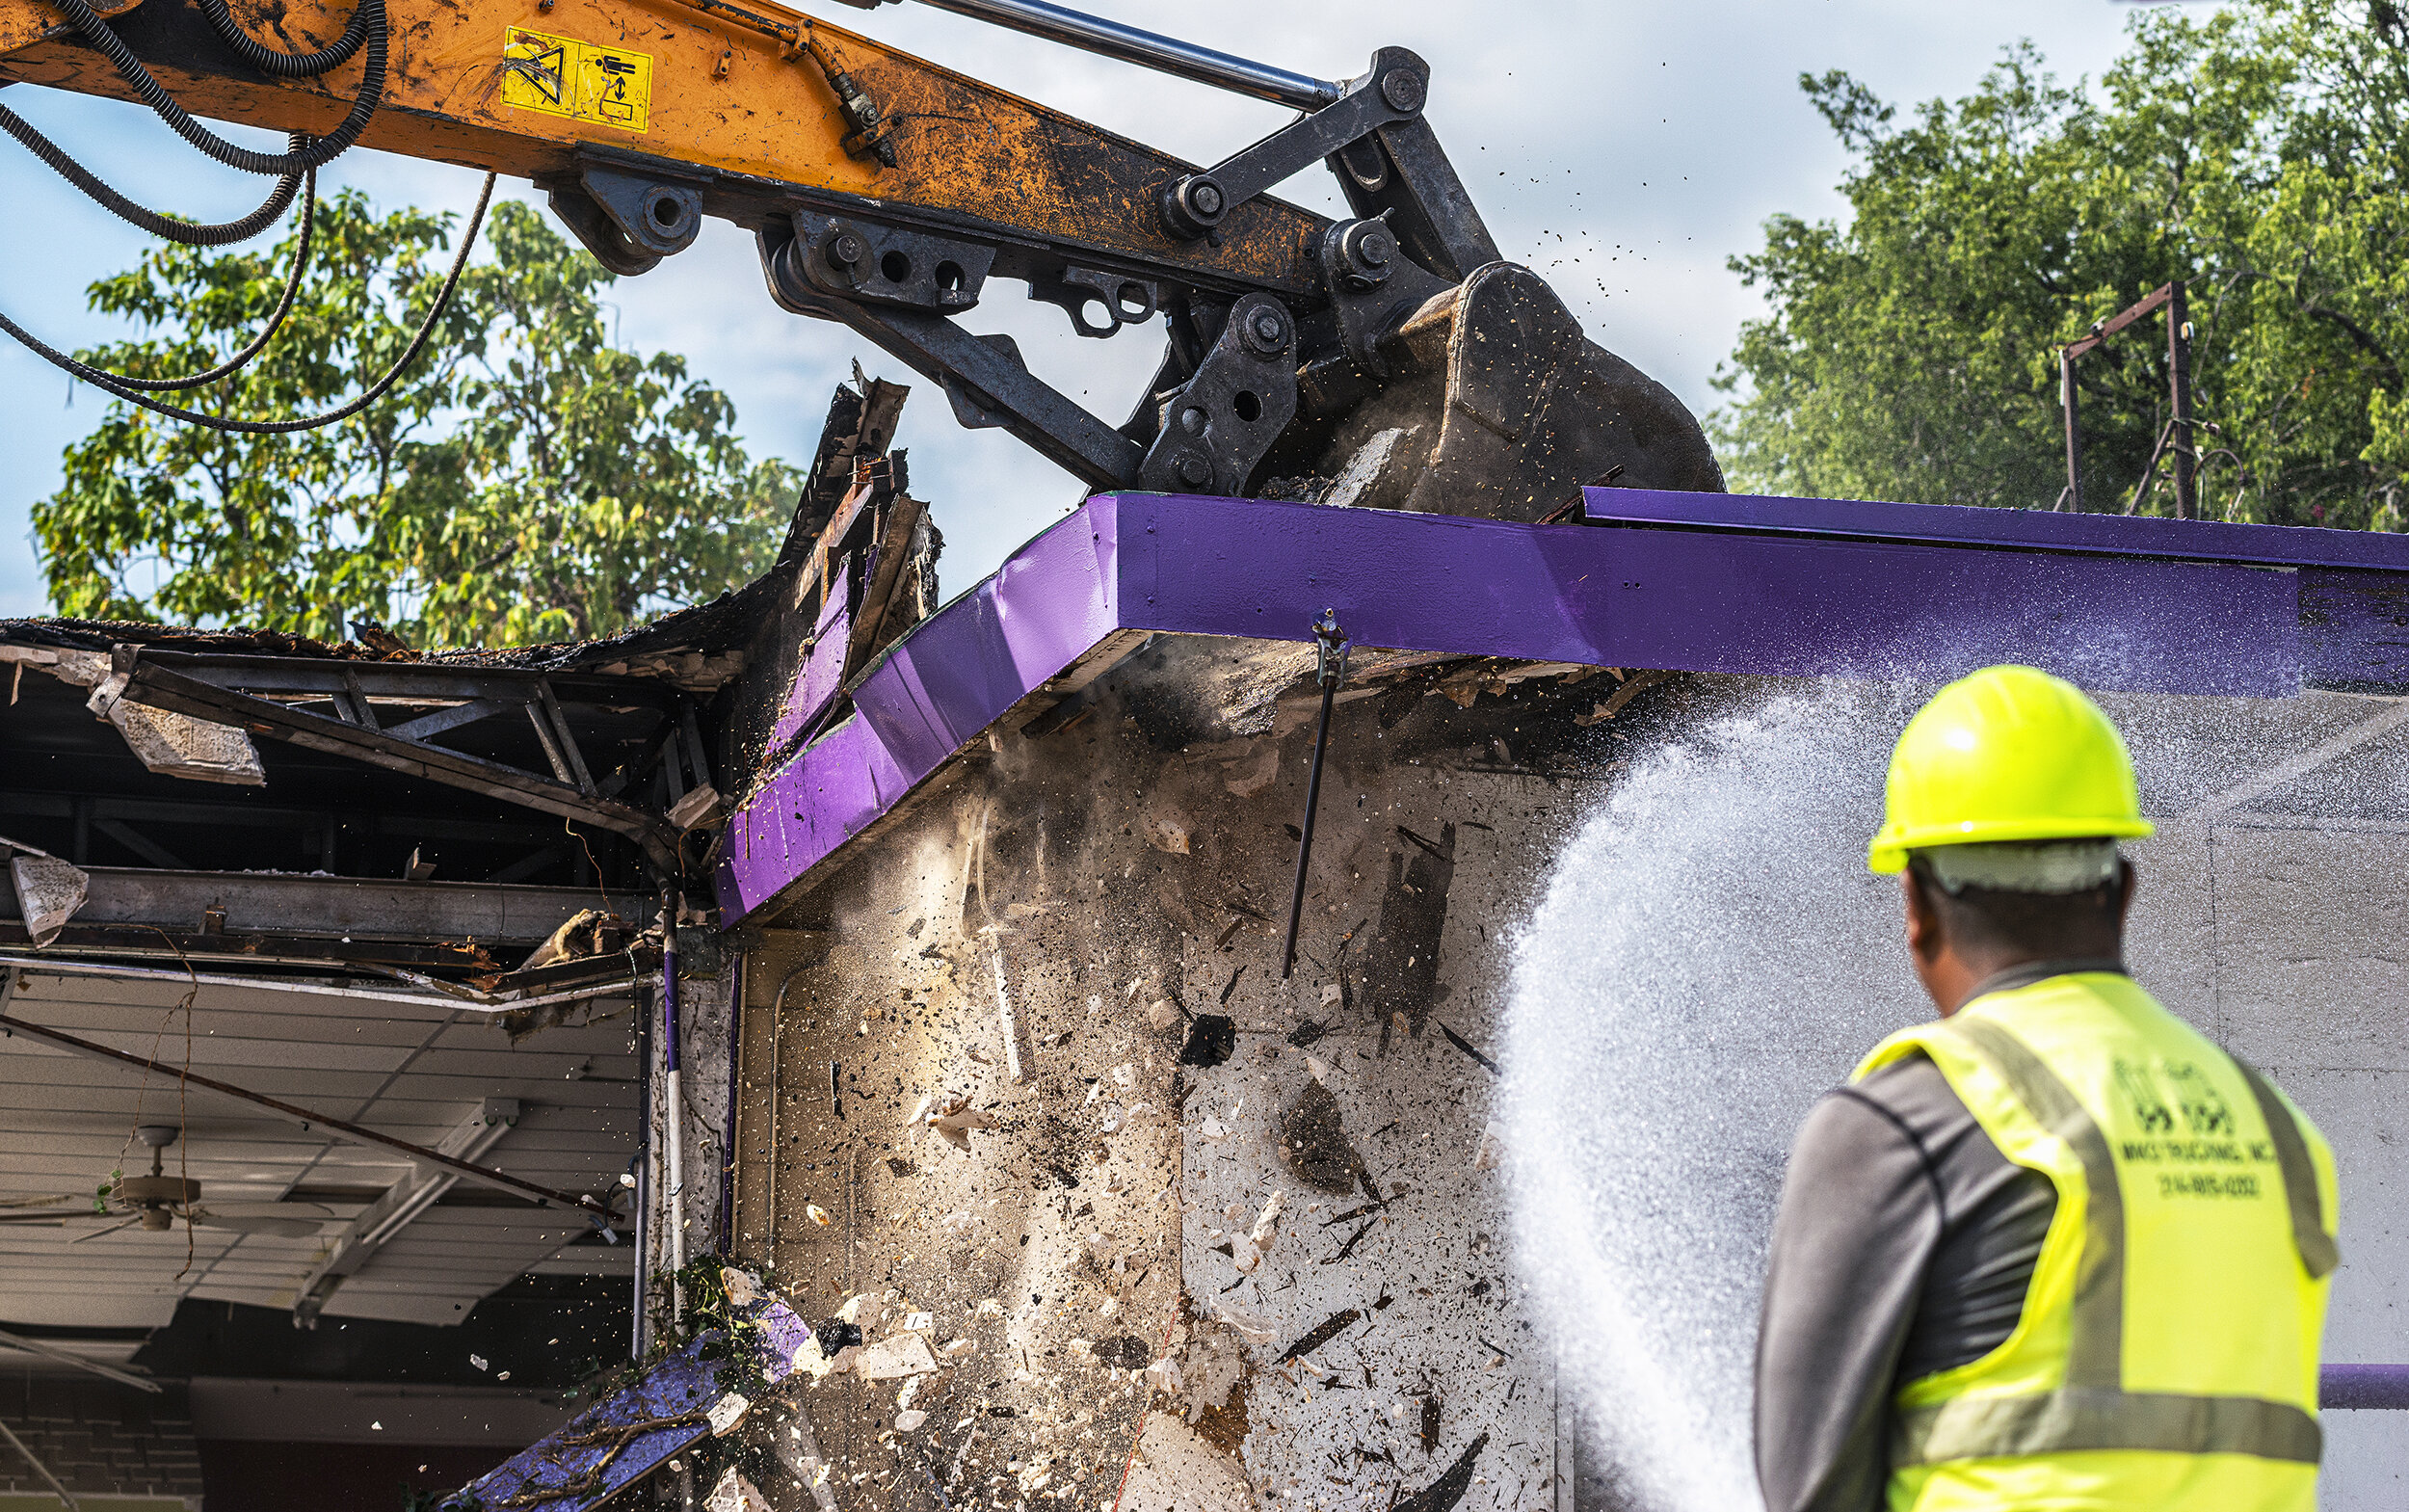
x: 290, y: 65
x: 168, y: 227
x: 123, y: 389
x: 370, y: 16
x: 283, y: 307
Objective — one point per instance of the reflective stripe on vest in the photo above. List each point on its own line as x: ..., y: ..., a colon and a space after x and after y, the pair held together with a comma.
x: 2086, y: 1407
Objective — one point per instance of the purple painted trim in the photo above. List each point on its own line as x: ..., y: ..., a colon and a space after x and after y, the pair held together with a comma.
x: 2111, y: 535
x: 1690, y: 599
x: 682, y: 1383
x: 2364, y: 1386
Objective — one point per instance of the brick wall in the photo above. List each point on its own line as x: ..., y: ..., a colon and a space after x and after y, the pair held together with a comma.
x: 100, y: 1439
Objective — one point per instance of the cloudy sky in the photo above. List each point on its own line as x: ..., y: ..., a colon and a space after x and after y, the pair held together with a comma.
x: 1623, y: 149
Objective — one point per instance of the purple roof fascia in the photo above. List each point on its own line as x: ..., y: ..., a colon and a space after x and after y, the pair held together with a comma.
x: 1743, y: 599
x: 2037, y: 530
x: 682, y: 1384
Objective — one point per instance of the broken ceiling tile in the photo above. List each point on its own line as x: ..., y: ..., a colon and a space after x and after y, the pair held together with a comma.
x: 49, y: 890
x: 1160, y: 1015
x: 178, y: 745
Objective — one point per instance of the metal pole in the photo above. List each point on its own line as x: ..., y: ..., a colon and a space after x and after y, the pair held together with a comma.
x: 2185, y: 453
x: 643, y: 1164
x: 1331, y: 670
x: 2073, y: 496
x: 673, y: 1113
x: 1148, y: 49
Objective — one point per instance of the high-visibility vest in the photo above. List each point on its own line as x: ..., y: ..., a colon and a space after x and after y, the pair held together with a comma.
x: 2167, y: 1357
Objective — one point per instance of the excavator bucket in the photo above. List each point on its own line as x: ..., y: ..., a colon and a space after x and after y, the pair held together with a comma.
x: 1496, y: 405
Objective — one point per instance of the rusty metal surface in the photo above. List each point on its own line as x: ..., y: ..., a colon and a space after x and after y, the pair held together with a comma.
x: 724, y: 98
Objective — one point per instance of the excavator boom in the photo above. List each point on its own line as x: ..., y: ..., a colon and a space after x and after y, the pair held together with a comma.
x: 886, y: 193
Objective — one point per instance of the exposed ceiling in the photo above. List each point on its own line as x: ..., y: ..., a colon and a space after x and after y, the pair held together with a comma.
x: 420, y: 1071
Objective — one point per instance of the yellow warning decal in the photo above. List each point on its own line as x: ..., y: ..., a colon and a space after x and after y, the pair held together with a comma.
x: 578, y: 81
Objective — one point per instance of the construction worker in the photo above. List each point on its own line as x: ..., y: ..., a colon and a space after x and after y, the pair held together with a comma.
x: 2055, y: 1249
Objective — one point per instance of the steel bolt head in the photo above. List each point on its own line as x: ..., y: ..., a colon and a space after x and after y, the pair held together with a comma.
x: 1402, y: 88
x: 1204, y: 198
x: 1193, y: 472
x: 846, y: 248
x: 1268, y: 327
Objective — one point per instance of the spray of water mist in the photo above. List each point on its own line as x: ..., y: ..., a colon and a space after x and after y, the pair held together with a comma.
x: 1710, y: 956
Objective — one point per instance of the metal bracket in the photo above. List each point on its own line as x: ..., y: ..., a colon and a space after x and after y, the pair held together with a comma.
x: 600, y: 236
x: 1222, y: 421
x: 1124, y: 300
x: 985, y: 374
x: 658, y: 219
x: 630, y: 214
x: 855, y: 259
x: 1373, y: 286
x: 1393, y: 90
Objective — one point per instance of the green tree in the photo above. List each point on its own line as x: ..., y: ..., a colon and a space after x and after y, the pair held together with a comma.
x: 528, y: 481
x: 2259, y: 154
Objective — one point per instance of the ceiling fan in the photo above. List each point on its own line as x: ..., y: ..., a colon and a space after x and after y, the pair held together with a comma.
x: 152, y: 1202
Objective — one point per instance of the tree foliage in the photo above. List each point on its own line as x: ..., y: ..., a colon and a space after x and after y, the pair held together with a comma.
x: 527, y: 481
x: 2259, y: 152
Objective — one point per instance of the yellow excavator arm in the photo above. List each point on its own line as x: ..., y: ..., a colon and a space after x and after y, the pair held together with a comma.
x: 1389, y: 353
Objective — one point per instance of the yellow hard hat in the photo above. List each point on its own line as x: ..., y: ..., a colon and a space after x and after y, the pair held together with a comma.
x: 2006, y: 754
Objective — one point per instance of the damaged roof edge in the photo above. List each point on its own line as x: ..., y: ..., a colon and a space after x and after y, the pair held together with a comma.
x: 1749, y: 598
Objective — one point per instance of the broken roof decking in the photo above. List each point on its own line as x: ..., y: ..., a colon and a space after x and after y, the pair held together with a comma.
x: 1694, y: 582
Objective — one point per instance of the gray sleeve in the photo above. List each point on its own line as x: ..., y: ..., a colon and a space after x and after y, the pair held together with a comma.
x: 1860, y: 1214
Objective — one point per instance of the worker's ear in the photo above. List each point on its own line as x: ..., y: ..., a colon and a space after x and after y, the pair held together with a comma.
x: 1926, y: 937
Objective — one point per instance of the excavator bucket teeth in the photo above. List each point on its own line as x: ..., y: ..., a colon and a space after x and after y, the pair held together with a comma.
x: 1499, y: 407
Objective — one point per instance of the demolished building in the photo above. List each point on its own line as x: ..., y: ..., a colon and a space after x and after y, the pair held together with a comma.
x: 1052, y: 1124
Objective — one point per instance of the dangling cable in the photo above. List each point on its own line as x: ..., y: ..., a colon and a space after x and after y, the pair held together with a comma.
x: 121, y: 387
x: 284, y: 306
x: 370, y: 17
x: 168, y: 227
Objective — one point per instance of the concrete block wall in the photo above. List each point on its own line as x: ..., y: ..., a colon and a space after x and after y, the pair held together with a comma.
x: 100, y: 1439
x: 1228, y: 1238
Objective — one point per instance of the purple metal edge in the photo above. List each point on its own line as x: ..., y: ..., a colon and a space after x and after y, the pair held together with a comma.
x: 2362, y: 1386
x: 673, y: 1387
x: 2114, y: 535
x: 1727, y: 601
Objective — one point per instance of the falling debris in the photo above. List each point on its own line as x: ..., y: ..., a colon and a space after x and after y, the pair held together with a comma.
x: 1014, y: 1067
x: 1212, y: 1038
x: 735, y: 1494
x: 743, y: 1288
x: 1314, y: 1141
x: 1466, y: 1046
x: 728, y: 1412
x: 1160, y: 1016
x: 910, y: 1421
x: 953, y: 1118
x: 893, y: 1359
x: 1492, y: 1146
x: 834, y: 1334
